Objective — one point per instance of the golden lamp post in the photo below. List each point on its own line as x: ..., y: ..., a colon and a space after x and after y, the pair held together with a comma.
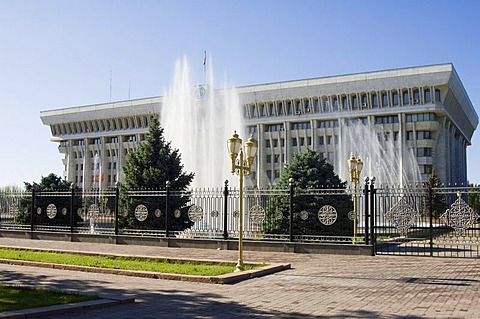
x: 241, y: 167
x: 355, y: 166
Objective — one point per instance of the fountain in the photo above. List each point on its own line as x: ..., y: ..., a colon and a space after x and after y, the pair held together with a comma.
x: 386, y: 157
x: 198, y: 119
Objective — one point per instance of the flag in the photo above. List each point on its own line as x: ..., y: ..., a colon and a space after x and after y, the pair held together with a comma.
x: 205, y: 59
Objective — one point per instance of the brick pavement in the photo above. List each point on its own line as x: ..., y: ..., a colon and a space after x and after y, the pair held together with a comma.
x: 317, y: 286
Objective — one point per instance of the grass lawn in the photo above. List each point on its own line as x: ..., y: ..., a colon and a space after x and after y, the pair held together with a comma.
x: 16, y: 298
x: 163, y: 265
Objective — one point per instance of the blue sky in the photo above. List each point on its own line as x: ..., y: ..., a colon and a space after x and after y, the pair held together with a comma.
x: 58, y: 54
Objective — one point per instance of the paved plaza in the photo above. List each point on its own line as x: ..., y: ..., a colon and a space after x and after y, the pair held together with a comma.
x: 317, y: 286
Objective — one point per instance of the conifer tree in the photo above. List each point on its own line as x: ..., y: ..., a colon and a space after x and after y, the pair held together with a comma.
x: 149, y: 167
x: 438, y: 200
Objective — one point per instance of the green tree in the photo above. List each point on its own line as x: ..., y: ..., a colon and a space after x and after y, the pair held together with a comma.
x: 49, y: 191
x: 150, y: 166
x: 311, y: 173
x: 438, y: 200
x: 474, y: 197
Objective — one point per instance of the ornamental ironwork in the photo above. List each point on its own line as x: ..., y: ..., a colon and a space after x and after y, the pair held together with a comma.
x: 13, y: 210
x: 195, y: 213
x: 177, y: 213
x: 459, y: 216
x: 303, y: 215
x: 64, y: 211
x: 51, y: 211
x: 402, y: 216
x: 215, y: 213
x: 93, y: 211
x: 257, y: 214
x: 236, y: 214
x: 158, y: 212
x: 352, y: 215
x: 39, y: 210
x: 141, y: 212
x: 278, y: 215
x: 327, y: 215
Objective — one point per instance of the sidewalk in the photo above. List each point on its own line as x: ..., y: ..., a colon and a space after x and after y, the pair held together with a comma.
x: 317, y: 286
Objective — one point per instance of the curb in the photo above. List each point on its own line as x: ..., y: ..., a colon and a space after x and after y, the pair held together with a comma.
x: 63, y: 309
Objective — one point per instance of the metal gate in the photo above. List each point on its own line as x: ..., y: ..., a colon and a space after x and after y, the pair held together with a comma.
x: 440, y: 222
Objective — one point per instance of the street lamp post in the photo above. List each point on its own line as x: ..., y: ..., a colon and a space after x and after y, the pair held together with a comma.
x: 241, y: 167
x: 355, y: 166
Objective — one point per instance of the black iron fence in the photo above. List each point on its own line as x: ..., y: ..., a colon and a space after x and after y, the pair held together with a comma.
x: 414, y: 220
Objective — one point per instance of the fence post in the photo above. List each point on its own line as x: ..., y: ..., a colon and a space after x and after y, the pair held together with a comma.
x: 372, y: 216
x: 72, y: 207
x: 32, y: 217
x: 167, y: 204
x: 225, y: 207
x: 291, y: 182
x: 366, y: 212
x: 430, y: 212
x: 117, y: 205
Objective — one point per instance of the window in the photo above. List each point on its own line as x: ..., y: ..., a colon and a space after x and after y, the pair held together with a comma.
x: 280, y: 109
x: 344, y: 103
x: 254, y: 111
x: 282, y: 142
x: 424, y: 135
x: 395, y: 101
x: 321, y: 140
x: 263, y: 109
x: 364, y: 100
x: 427, y: 169
x: 294, y: 141
x: 424, y: 152
x: 437, y: 96
x: 309, y: 140
x: 326, y: 105
x: 273, y: 127
x: 289, y: 108
x: 271, y: 109
x: 298, y: 108
x: 252, y: 129
x: 269, y: 174
x: 374, y: 100
x: 410, y: 135
x: 78, y: 142
x: 276, y: 158
x: 384, y: 99
x: 329, y: 139
x: 307, y: 106
x: 406, y: 97
x: 269, y: 159
x: 427, y: 97
x: 267, y: 144
x: 130, y: 138
x: 277, y: 173
x: 421, y: 117
x: 301, y: 126
x: 325, y: 124
x: 302, y: 141
x: 95, y: 141
x: 275, y: 142
x: 354, y: 102
x: 416, y: 96
x: 317, y: 105
x: 386, y: 119
x: 335, y: 104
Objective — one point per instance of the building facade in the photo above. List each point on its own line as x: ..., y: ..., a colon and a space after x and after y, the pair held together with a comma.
x: 425, y: 108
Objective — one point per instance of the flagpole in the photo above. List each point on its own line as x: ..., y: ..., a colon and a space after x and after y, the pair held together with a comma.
x: 204, y: 67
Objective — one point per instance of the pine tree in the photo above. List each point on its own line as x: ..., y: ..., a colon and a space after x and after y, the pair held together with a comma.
x: 438, y: 200
x: 149, y: 167
x: 310, y: 172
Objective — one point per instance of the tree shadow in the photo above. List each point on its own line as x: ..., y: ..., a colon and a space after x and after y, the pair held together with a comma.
x: 166, y: 303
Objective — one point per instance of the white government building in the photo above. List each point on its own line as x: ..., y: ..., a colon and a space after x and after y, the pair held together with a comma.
x: 427, y: 108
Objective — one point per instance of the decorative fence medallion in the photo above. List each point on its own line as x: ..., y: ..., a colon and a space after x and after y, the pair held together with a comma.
x: 402, y: 216
x: 215, y: 213
x: 352, y: 215
x: 141, y: 212
x: 236, y: 214
x: 327, y: 215
x: 64, y: 211
x: 278, y: 215
x: 158, y: 212
x: 195, y: 213
x: 177, y: 213
x: 51, y: 211
x: 303, y: 215
x: 93, y: 211
x: 39, y: 210
x: 459, y: 216
x: 13, y: 210
x: 257, y: 214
